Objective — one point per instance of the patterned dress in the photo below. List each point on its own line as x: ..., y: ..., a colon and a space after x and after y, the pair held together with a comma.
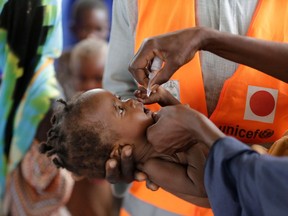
x: 30, y: 40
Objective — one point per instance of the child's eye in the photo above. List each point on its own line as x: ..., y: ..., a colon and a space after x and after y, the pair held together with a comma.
x: 121, y: 110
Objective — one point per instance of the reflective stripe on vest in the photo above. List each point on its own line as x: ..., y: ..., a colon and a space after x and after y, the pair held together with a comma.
x: 141, y: 199
x: 134, y: 206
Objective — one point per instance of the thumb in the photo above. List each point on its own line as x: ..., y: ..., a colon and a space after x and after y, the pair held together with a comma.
x: 156, y: 117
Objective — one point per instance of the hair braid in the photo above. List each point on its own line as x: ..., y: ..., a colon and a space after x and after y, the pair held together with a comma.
x: 80, y: 148
x: 54, y: 144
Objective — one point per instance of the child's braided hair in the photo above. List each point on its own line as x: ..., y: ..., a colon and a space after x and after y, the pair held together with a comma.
x: 76, y: 144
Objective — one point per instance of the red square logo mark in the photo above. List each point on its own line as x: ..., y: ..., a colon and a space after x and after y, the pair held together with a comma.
x: 261, y: 104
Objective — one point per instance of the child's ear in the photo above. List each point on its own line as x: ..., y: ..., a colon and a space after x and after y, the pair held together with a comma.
x: 77, y: 177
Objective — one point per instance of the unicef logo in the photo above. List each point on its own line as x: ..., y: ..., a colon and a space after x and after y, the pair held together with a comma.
x: 261, y: 104
x: 242, y: 133
x: 266, y: 134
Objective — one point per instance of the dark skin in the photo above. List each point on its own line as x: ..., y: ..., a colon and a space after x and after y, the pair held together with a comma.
x: 190, y: 143
x: 195, y: 130
x: 130, y: 121
x: 188, y: 125
x: 126, y: 173
x: 179, y: 129
x: 176, y: 49
x: 87, y: 76
x: 197, y: 136
x: 89, y: 73
x: 269, y: 57
x: 192, y: 155
x: 91, y: 23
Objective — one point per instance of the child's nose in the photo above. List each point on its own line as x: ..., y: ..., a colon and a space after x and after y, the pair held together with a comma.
x: 131, y: 103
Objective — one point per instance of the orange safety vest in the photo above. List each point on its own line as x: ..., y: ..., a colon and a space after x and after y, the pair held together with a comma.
x: 253, y: 107
x: 239, y: 112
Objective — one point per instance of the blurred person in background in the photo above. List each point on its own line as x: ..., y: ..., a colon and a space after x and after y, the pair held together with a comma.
x: 30, y: 40
x: 90, y: 18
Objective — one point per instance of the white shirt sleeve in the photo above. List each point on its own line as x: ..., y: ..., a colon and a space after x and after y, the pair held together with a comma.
x: 117, y: 78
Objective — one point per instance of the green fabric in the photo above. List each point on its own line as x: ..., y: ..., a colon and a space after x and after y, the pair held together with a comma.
x: 30, y: 38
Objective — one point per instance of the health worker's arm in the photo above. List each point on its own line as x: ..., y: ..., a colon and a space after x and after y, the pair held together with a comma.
x: 177, y: 48
x: 238, y: 179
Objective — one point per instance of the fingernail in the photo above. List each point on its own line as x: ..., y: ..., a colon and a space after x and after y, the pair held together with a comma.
x: 140, y: 176
x: 153, y: 187
x: 128, y: 152
x: 112, y: 164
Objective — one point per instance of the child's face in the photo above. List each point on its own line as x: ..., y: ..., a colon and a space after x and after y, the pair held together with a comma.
x: 88, y: 75
x: 128, y: 118
x: 93, y: 23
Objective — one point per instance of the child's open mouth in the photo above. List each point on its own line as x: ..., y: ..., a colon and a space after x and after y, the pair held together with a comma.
x: 146, y: 111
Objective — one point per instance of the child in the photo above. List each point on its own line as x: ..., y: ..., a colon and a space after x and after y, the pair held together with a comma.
x: 96, y: 125
x: 87, y: 64
x: 89, y: 20
x: 85, y: 67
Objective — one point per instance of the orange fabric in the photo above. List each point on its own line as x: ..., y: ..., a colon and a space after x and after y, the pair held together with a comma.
x: 154, y: 18
x: 123, y: 212
x: 158, y: 17
x: 230, y: 110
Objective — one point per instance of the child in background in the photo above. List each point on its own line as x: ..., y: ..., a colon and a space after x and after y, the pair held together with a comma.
x: 87, y: 64
x: 89, y: 20
x: 97, y: 124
